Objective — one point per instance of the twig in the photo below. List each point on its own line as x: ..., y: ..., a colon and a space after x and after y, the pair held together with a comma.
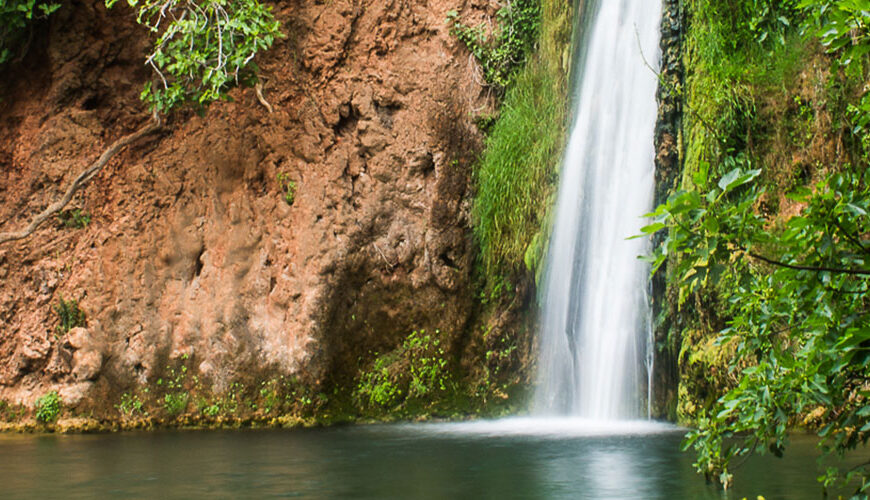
x: 82, y: 179
x: 849, y: 236
x: 383, y: 256
x: 818, y: 269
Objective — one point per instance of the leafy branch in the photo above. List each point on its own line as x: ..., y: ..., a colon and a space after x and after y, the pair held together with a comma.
x: 801, y: 329
x: 203, y: 47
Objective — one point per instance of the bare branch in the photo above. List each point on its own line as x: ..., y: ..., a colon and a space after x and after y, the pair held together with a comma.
x: 818, y: 269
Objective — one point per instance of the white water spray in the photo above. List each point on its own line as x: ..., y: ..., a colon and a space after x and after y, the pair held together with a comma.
x: 595, y: 339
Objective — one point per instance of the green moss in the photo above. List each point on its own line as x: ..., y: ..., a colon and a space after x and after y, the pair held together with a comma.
x: 518, y: 172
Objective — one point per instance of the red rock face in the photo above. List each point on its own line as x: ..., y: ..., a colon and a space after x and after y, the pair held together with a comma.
x: 192, y: 248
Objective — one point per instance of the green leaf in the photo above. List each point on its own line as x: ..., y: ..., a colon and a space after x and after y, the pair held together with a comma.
x: 736, y: 178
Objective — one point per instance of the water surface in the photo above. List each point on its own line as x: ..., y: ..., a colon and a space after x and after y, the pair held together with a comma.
x: 512, y: 458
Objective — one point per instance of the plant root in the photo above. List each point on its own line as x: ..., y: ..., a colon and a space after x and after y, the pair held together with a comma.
x: 82, y: 179
x: 259, y: 88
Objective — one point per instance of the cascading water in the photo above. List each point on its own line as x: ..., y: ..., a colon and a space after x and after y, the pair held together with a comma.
x: 595, y: 335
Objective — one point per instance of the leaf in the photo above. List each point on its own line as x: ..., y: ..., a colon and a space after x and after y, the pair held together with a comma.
x: 736, y: 178
x: 855, y: 209
x: 653, y: 228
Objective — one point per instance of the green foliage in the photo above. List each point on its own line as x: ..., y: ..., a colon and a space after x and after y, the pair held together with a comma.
x: 226, y: 404
x: 16, y: 17
x: 841, y: 26
x: 287, y: 187
x: 176, y: 397
x: 376, y: 387
x: 210, y: 410
x: 799, y: 309
x: 69, y: 314
x: 74, y: 219
x: 412, y: 373
x: 499, y: 286
x: 175, y: 402
x: 48, y: 407
x: 517, y: 174
x: 203, y: 48
x: 789, y: 292
x: 130, y: 405
x: 500, y: 53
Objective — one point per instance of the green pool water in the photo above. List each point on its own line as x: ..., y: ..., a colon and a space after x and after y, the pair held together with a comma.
x: 514, y: 458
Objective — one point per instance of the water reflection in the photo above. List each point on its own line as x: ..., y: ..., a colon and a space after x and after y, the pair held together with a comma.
x: 414, y: 461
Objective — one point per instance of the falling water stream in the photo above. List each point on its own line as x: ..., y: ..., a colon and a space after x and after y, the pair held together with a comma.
x: 595, y: 328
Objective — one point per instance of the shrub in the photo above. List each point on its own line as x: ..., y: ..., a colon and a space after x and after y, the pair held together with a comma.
x: 69, y: 314
x: 48, y: 407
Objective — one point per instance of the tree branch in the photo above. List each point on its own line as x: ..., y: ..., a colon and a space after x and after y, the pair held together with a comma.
x: 849, y: 236
x: 82, y: 179
x: 797, y: 267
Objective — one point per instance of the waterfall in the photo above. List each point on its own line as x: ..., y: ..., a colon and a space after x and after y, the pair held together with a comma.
x: 595, y: 340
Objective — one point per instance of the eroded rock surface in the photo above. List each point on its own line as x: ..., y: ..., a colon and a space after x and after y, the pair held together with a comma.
x: 192, y: 250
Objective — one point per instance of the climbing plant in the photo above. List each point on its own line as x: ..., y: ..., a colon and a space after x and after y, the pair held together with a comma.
x: 500, y: 52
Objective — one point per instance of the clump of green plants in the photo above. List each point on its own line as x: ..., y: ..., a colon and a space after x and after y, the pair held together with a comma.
x: 10, y: 412
x: 500, y: 53
x: 69, y: 314
x: 176, y: 397
x: 73, y: 219
x: 16, y: 18
x: 287, y: 187
x: 210, y: 409
x: 411, y: 374
x: 175, y: 402
x: 500, y: 286
x: 48, y: 407
x: 203, y: 48
x: 269, y: 397
x: 131, y: 405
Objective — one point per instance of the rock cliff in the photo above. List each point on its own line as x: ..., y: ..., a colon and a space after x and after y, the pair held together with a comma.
x: 250, y: 243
